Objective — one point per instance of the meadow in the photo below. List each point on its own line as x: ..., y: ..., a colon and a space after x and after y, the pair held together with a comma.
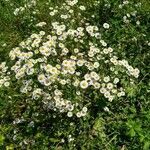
x: 74, y: 75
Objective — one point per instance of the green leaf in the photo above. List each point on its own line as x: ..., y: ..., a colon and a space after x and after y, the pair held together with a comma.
x: 2, y: 138
x: 53, y: 140
x: 10, y: 147
x: 98, y: 124
x: 146, y: 145
x: 132, y: 132
x: 131, y: 91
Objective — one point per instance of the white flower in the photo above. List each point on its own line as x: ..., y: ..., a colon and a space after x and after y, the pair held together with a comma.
x: 82, y: 7
x: 106, y: 109
x: 106, y: 25
x: 96, y: 85
x: 90, y: 54
x: 114, y: 91
x: 6, y: 84
x: 84, y: 84
x: 71, y: 11
x: 136, y: 72
x: 87, y: 77
x: 52, y: 13
x: 103, y: 90
x: 96, y: 65
x: 42, y: 32
x: 78, y: 73
x: 109, y: 86
x: 78, y: 114
x: 94, y: 75
x: 119, y: 94
x: 47, y: 82
x: 84, y: 109
x: 110, y: 98
x: 76, y: 83
x: 107, y: 94
x: 104, y: 43
x: 76, y: 50
x: 40, y: 24
x: 110, y: 49
x: 106, y: 51
x: 69, y: 114
x: 122, y: 93
x: 106, y: 79
x: 41, y: 78
x: 53, y: 70
x: 116, y: 80
x: 78, y: 93
x: 64, y: 16
x: 63, y: 82
x: 30, y: 71
x: 80, y: 62
x: 125, y: 2
x: 16, y: 12
x: 83, y: 113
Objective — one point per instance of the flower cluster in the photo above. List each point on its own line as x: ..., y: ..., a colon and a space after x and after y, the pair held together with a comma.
x: 4, y: 75
x: 21, y: 9
x: 70, y: 58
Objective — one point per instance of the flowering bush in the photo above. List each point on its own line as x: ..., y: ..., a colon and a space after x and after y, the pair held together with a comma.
x: 60, y: 71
